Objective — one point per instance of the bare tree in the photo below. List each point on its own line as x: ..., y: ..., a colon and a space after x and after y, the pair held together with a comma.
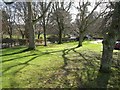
x: 7, y: 20
x: 45, y: 19
x: 60, y: 10
x: 29, y: 22
x: 85, y: 19
x: 4, y: 22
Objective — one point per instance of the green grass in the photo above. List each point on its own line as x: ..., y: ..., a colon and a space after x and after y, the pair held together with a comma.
x: 57, y: 66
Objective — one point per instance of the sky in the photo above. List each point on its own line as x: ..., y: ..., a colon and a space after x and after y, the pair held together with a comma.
x: 73, y: 10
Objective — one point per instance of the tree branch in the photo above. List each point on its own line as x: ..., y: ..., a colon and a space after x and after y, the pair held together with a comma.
x: 93, y: 10
x: 36, y: 20
x: 101, y: 14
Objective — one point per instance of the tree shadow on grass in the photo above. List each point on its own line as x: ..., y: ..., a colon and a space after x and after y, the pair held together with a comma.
x: 18, y: 58
x: 65, y: 52
x: 25, y: 63
x: 21, y: 51
x: 61, y: 78
x: 13, y: 83
x: 22, y: 65
x: 101, y: 81
x: 88, y: 76
x: 65, y: 69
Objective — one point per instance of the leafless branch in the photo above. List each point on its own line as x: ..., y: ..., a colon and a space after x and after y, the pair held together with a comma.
x: 36, y: 20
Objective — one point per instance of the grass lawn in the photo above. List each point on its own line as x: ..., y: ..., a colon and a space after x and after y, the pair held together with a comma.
x: 58, y: 66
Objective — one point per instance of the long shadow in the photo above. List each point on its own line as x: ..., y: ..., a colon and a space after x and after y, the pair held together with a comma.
x: 31, y: 55
x: 88, y: 64
x: 89, y: 68
x: 87, y: 60
x: 18, y: 58
x: 13, y: 83
x: 102, y: 78
x: 52, y: 52
x: 25, y: 63
x: 66, y: 70
x: 25, y: 50
x: 48, y: 52
x: 65, y: 52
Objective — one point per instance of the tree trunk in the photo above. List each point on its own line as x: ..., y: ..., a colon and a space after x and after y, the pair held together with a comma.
x: 44, y: 27
x: 108, y: 46
x: 61, y: 29
x: 10, y: 31
x: 38, y: 34
x: 109, y: 40
x: 81, y: 36
x: 26, y: 29
x: 10, y: 36
x: 22, y: 36
x: 30, y: 28
x: 60, y: 36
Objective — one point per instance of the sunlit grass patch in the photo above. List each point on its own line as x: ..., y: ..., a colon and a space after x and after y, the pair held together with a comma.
x: 56, y: 66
